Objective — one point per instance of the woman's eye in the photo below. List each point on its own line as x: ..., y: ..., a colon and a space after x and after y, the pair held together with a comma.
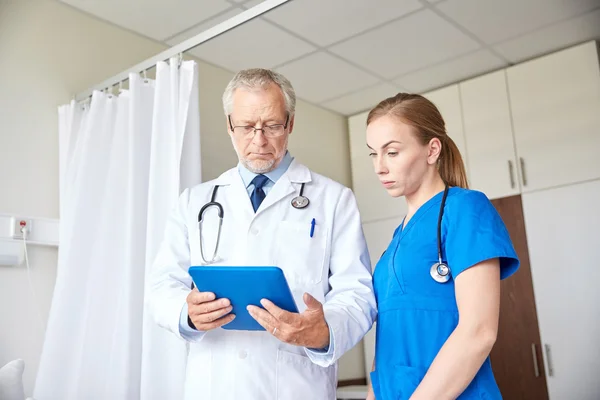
x: 372, y: 154
x: 392, y: 153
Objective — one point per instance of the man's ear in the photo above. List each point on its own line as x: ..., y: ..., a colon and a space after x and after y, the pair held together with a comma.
x: 291, y: 124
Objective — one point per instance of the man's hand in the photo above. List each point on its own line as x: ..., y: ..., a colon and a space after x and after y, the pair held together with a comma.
x: 207, y: 313
x: 308, y: 329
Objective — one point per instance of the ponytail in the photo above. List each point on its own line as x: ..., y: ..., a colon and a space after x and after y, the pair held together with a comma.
x: 451, y: 165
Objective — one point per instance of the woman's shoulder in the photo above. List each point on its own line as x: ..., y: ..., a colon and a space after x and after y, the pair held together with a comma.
x: 461, y: 200
x: 466, y: 196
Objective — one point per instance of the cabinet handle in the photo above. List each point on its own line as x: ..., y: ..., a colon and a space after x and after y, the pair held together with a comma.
x: 511, y: 174
x: 549, y: 360
x: 523, y: 176
x: 536, y: 369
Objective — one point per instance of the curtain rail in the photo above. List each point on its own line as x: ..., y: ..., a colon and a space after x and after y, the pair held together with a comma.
x: 186, y: 45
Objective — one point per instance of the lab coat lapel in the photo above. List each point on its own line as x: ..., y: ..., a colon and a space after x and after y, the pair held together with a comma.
x: 296, y: 174
x: 237, y: 198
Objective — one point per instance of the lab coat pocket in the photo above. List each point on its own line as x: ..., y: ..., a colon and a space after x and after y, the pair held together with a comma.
x: 404, y: 381
x: 298, y: 378
x: 299, y: 255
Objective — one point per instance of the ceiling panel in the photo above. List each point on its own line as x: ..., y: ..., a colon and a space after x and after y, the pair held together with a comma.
x: 407, y: 45
x: 204, y: 26
x: 326, y: 22
x: 465, y: 67
x: 494, y: 21
x: 156, y: 19
x: 546, y: 40
x: 321, y: 76
x: 362, y: 100
x: 256, y: 43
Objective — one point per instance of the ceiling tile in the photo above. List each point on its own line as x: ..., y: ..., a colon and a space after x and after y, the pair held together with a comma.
x: 321, y: 76
x: 204, y: 26
x: 157, y: 19
x: 362, y: 100
x: 256, y: 43
x: 326, y: 22
x: 494, y: 21
x: 252, y: 3
x: 443, y: 74
x: 396, y: 48
x: 552, y: 38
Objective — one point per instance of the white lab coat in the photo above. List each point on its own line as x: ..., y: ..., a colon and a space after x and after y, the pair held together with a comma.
x: 333, y: 266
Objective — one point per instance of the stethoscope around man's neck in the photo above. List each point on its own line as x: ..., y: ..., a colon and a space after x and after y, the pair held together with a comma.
x: 299, y: 202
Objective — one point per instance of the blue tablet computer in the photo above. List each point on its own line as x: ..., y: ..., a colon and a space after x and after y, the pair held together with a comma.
x: 245, y: 286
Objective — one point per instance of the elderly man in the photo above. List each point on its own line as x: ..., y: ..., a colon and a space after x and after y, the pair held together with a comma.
x: 269, y: 201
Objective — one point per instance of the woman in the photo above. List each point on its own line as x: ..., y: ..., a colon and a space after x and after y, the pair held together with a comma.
x: 437, y: 323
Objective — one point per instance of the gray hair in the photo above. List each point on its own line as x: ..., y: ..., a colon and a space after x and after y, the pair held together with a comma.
x: 255, y: 78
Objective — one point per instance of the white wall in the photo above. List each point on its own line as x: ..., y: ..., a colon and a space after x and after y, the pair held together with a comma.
x: 48, y: 52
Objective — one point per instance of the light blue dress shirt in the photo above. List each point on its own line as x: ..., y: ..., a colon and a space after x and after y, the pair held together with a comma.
x: 247, y: 177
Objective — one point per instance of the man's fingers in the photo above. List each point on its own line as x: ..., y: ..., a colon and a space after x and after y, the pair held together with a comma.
x: 196, y: 297
x: 215, y: 324
x: 280, y: 314
x: 263, y: 317
x: 212, y: 316
x: 204, y: 308
x: 311, y: 302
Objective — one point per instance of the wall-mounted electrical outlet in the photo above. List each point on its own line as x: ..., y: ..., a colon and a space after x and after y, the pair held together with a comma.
x: 16, y: 224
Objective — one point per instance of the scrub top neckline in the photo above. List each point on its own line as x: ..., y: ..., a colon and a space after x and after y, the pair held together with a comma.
x: 436, y: 199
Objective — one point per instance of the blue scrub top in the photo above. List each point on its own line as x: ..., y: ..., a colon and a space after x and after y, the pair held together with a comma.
x: 417, y: 314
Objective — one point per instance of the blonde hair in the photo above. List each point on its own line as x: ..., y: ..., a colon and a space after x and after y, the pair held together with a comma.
x: 425, y: 118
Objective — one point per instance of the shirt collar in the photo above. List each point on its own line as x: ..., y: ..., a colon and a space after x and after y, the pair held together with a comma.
x: 274, y: 175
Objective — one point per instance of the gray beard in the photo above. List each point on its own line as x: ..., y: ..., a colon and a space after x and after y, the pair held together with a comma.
x: 258, y: 167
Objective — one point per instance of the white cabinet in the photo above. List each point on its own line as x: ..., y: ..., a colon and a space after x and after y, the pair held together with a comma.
x: 447, y: 101
x: 555, y: 106
x: 489, y: 135
x: 564, y: 249
x: 373, y: 200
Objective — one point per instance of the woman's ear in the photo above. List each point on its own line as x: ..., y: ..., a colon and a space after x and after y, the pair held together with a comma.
x: 435, y: 151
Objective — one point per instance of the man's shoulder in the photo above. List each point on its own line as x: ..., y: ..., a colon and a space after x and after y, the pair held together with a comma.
x: 328, y: 182
x: 225, y: 178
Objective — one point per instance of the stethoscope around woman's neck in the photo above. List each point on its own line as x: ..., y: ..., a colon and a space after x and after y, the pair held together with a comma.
x: 440, y: 271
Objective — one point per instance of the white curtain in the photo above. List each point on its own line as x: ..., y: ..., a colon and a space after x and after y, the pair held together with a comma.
x: 123, y: 162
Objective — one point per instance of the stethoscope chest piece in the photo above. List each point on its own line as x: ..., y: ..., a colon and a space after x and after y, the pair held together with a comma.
x: 440, y: 272
x: 300, y: 202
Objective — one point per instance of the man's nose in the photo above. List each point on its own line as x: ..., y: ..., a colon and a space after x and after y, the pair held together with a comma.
x: 259, y: 138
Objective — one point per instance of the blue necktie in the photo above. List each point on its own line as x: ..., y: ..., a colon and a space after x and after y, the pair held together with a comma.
x: 258, y: 195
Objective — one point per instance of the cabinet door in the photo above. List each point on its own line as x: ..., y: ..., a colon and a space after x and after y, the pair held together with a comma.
x: 373, y: 200
x: 564, y: 249
x: 516, y: 356
x: 447, y: 100
x: 555, y: 104
x: 488, y: 135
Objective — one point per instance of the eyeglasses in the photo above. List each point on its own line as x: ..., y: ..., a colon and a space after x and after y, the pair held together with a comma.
x: 269, y: 131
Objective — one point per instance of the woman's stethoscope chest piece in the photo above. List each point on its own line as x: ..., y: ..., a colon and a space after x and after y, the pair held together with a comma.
x: 440, y: 272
